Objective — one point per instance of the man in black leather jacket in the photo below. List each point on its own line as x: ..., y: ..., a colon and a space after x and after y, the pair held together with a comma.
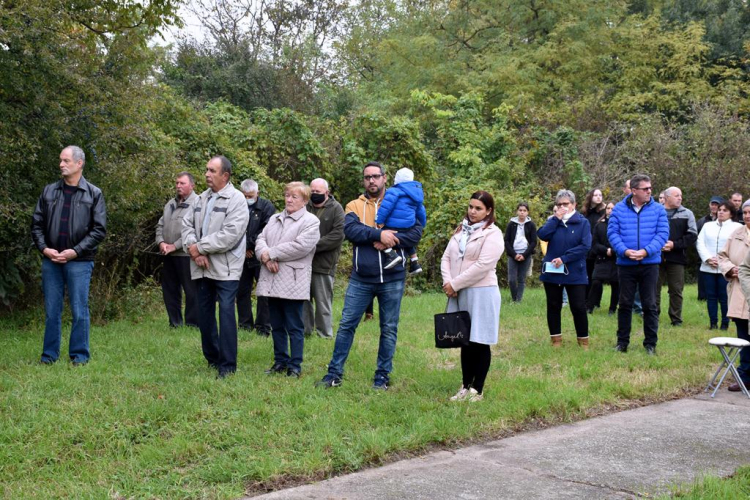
x: 260, y: 211
x: 68, y: 225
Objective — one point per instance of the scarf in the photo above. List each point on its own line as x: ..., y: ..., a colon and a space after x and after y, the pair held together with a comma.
x: 466, y: 230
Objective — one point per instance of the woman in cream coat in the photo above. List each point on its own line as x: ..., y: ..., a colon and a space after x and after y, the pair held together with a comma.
x: 730, y: 259
x: 286, y: 248
x: 470, y: 282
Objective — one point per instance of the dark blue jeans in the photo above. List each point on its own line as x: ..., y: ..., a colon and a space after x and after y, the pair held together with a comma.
x: 742, y: 333
x: 76, y: 276
x: 219, y: 344
x: 358, y: 296
x: 715, y: 286
x: 288, y: 331
x: 636, y: 278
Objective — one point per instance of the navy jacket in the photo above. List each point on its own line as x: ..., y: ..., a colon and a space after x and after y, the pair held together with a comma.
x: 367, y: 261
x: 402, y: 206
x: 571, y: 242
x: 631, y: 230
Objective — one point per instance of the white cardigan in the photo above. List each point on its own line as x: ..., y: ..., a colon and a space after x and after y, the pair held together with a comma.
x: 712, y: 240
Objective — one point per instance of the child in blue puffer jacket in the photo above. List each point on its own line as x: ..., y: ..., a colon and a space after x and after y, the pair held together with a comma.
x: 402, y: 207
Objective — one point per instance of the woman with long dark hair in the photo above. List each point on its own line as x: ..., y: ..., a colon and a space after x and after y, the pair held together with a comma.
x: 605, y: 268
x: 593, y: 209
x: 469, y: 275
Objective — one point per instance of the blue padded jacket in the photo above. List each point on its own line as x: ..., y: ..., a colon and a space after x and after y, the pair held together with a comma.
x: 631, y: 230
x: 402, y: 206
x: 571, y: 242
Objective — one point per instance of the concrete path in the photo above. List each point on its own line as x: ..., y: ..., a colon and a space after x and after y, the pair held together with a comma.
x: 635, y: 453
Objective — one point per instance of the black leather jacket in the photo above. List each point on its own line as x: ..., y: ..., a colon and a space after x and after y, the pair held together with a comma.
x: 87, y: 220
x: 260, y: 212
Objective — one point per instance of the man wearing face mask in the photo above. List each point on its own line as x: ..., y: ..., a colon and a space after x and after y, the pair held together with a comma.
x: 331, y: 215
x: 260, y: 211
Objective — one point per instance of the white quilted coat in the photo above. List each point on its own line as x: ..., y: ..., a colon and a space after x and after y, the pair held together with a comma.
x: 290, y: 240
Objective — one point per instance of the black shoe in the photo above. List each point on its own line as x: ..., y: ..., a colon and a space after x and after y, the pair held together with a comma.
x: 677, y: 323
x: 391, y: 259
x: 621, y: 348
x: 263, y: 332
x: 590, y: 310
x: 651, y: 350
x: 48, y: 361
x: 724, y: 327
x: 276, y: 368
x: 291, y: 372
x: 329, y: 381
x: 224, y: 373
x: 80, y: 363
x: 612, y: 312
x: 713, y: 326
x: 414, y: 268
x: 380, y: 384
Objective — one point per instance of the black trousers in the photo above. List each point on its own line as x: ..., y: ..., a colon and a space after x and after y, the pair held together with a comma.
x: 262, y: 321
x: 596, y: 291
x: 175, y: 277
x: 475, y: 364
x: 576, y: 302
x: 643, y: 278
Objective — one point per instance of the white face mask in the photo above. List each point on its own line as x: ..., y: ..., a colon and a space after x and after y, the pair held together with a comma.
x: 251, y: 202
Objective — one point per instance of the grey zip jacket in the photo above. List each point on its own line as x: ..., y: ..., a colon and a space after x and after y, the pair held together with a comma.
x: 224, y: 242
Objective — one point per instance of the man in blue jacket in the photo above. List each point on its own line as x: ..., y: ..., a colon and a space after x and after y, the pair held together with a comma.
x: 370, y: 279
x: 638, y: 229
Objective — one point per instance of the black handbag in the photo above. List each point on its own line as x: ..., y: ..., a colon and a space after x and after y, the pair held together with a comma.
x: 452, y: 329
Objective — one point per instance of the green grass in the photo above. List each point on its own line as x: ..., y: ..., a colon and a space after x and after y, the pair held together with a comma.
x: 712, y: 488
x: 147, y: 418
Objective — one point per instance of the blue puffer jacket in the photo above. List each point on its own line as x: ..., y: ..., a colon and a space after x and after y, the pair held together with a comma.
x: 402, y: 206
x: 631, y: 230
x: 571, y: 242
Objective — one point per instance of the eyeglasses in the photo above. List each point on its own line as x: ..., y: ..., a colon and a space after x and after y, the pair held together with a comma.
x: 647, y: 188
x: 373, y: 177
x: 563, y: 204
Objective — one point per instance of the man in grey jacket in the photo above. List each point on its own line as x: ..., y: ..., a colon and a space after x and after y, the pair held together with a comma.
x: 175, y: 274
x: 331, y: 216
x: 213, y: 233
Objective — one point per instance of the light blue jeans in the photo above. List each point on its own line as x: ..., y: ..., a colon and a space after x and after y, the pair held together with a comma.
x: 76, y: 276
x: 358, y: 297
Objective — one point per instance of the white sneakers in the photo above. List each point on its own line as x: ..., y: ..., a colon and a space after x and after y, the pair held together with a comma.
x: 465, y: 394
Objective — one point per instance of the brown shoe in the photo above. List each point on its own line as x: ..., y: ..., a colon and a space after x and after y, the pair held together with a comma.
x: 556, y: 340
x: 368, y: 316
x: 583, y: 343
x: 735, y: 387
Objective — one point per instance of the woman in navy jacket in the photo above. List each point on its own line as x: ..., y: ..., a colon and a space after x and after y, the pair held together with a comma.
x: 568, y: 234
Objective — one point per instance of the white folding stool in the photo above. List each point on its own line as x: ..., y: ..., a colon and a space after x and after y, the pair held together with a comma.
x: 734, y: 345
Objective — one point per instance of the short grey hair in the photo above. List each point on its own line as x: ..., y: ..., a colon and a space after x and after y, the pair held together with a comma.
x: 565, y: 193
x: 77, y: 153
x: 670, y: 190
x: 248, y: 186
x: 226, y: 165
x: 190, y: 177
x: 320, y: 179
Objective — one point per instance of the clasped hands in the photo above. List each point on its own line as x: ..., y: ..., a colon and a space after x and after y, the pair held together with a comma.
x: 270, y: 264
x: 449, y: 291
x: 636, y: 254
x: 200, y: 260
x: 60, y: 257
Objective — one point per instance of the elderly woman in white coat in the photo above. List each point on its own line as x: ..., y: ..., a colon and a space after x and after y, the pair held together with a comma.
x: 286, y: 248
x: 469, y: 276
x: 711, y: 240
